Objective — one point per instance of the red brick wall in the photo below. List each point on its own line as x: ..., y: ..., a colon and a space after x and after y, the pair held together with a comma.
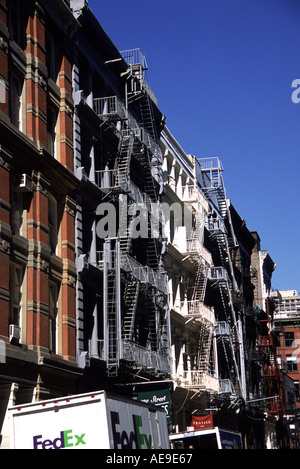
x: 35, y: 85
x: 37, y: 276
x: 66, y: 119
x: 40, y: 268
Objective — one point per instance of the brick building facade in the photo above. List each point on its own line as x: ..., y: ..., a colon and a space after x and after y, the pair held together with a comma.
x: 37, y: 201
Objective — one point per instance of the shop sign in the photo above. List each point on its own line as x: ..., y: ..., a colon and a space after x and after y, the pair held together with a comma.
x: 160, y: 398
x: 203, y: 421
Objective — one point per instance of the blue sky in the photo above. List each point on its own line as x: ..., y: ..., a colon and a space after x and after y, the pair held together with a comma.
x: 222, y: 72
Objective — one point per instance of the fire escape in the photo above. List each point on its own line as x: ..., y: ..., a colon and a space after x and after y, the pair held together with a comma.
x: 135, y: 330
x: 228, y: 329
x: 271, y: 375
x: 203, y: 373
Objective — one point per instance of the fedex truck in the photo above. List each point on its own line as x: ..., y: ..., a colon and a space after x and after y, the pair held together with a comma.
x: 210, y: 438
x: 97, y: 420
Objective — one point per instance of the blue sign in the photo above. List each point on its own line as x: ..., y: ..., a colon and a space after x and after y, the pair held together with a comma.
x: 230, y: 440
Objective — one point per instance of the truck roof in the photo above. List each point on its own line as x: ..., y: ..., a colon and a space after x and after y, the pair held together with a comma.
x: 76, y: 399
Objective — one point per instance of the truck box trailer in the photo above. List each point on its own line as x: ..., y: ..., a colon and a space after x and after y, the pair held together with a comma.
x: 97, y: 420
x: 212, y: 438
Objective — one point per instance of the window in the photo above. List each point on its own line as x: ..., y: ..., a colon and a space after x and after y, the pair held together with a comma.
x: 16, y: 212
x: 20, y: 204
x: 55, y: 215
x: 291, y: 361
x: 52, y: 224
x: 15, y: 99
x: 16, y: 293
x: 53, y: 56
x: 289, y: 339
x: 279, y: 361
x: 296, y: 384
x: 84, y: 76
x: 52, y: 126
x: 17, y: 19
x: 53, y: 312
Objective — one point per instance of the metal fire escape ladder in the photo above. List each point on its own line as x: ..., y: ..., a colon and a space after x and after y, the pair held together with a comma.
x: 112, y: 307
x: 139, y: 90
x: 153, y: 323
x: 224, y: 334
x: 227, y: 302
x: 143, y: 147
x: 225, y: 293
x: 204, y: 347
x: 198, y: 232
x: 199, y: 289
x: 213, y: 169
x: 130, y: 298
x: 153, y: 254
x: 147, y: 113
x: 198, y: 296
x: 271, y: 375
x: 123, y: 159
x: 148, y: 180
x: 125, y: 235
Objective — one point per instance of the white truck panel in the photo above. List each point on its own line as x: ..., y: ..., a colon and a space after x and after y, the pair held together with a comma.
x: 88, y: 421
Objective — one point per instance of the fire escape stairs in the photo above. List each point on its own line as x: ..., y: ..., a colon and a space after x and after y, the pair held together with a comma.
x: 123, y: 159
x: 153, y: 254
x: 152, y: 310
x: 204, y: 347
x: 199, y: 290
x: 198, y: 232
x: 125, y: 236
x: 143, y: 155
x: 147, y: 115
x: 112, y: 354
x: 130, y: 298
x: 217, y: 184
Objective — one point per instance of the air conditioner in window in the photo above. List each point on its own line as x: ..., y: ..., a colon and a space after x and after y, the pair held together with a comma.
x: 84, y: 360
x: 14, y: 333
x: 25, y: 183
x: 82, y: 262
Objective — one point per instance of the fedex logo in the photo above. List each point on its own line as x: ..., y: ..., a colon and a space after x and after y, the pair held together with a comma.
x: 135, y: 439
x: 65, y: 440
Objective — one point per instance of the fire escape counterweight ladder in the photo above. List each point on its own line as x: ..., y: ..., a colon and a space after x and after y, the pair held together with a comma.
x: 111, y: 307
x: 131, y: 297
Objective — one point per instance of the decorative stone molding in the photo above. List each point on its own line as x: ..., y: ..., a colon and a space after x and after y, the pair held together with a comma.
x: 4, y: 164
x: 70, y: 280
x: 4, y: 45
x: 5, y: 205
x: 38, y: 307
x: 70, y: 206
x: 40, y: 183
x: 4, y: 294
x: 42, y: 82
x: 69, y: 273
x: 4, y: 246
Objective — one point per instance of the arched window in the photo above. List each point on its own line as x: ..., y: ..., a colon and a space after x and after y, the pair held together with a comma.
x: 53, y: 317
x: 53, y: 223
x: 16, y: 293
